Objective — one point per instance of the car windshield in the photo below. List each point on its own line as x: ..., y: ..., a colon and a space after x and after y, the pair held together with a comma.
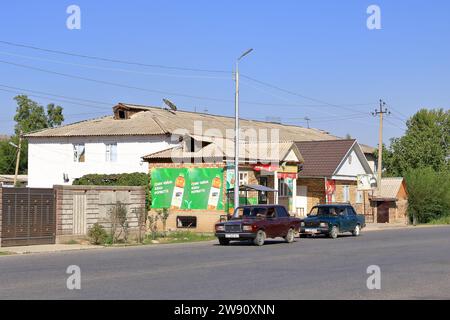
x: 325, y: 211
x: 250, y: 212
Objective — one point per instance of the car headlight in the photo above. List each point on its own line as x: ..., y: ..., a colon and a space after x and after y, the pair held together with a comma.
x: 324, y: 224
x: 247, y: 228
x: 302, y: 224
x: 220, y: 228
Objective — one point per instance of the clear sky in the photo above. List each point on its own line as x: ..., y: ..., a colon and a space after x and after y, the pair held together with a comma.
x: 320, y: 49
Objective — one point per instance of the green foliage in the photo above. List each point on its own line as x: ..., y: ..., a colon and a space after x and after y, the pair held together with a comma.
x: 122, y: 179
x: 97, y: 234
x: 428, y: 194
x: 119, y: 221
x: 426, y: 143
x: 30, y: 116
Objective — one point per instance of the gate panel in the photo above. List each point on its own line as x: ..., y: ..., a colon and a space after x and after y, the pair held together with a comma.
x: 29, y: 216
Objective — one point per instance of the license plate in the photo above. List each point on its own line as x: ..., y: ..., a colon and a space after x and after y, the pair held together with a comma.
x: 311, y: 230
x: 232, y: 235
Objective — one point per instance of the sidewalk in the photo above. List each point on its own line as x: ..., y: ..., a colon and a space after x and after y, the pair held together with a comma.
x: 393, y: 226
x: 47, y: 248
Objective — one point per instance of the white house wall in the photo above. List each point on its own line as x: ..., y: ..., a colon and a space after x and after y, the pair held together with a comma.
x: 50, y: 158
x: 350, y: 169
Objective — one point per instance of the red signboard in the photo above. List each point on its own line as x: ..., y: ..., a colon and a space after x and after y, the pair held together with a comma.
x: 265, y: 167
x: 330, y: 188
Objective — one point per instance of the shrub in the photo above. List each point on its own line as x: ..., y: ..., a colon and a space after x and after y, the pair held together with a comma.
x: 428, y: 194
x: 97, y: 234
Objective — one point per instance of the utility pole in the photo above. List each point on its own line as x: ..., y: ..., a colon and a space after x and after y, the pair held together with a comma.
x: 18, y: 158
x: 380, y: 113
x: 236, y: 132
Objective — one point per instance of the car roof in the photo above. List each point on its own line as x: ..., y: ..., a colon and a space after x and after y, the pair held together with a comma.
x: 332, y: 205
x: 260, y: 205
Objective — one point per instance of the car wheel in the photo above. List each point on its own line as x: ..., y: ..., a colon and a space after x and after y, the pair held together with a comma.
x: 334, y: 232
x: 224, y: 242
x: 290, y: 236
x: 260, y: 238
x: 357, y: 231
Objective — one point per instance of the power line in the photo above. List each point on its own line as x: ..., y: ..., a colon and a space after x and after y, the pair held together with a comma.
x: 67, y: 53
x: 298, y: 94
x: 112, y: 69
x: 59, y: 96
x: 112, y: 83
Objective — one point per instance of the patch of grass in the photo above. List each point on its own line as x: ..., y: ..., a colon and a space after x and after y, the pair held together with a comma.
x: 182, y: 236
x: 72, y: 241
x: 442, y: 220
x: 2, y: 253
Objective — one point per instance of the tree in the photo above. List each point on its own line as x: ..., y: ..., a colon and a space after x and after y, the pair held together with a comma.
x: 426, y: 143
x: 29, y: 117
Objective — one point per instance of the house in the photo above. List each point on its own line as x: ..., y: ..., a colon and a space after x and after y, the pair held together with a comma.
x: 116, y: 143
x: 198, y: 185
x: 329, y: 174
x: 391, y: 201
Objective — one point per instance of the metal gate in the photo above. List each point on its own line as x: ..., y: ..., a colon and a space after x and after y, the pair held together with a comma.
x: 28, y: 216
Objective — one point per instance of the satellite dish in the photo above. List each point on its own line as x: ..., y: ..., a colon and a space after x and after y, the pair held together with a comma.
x: 170, y: 104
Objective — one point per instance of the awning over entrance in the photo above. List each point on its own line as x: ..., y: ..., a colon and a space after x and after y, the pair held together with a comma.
x: 254, y: 187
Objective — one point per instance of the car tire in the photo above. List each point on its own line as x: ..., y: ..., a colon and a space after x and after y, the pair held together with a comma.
x: 290, y: 236
x: 224, y: 242
x: 334, y: 232
x: 260, y: 238
x: 357, y: 231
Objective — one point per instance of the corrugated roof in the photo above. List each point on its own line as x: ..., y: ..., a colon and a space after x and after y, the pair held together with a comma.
x: 322, y: 157
x: 253, y: 152
x: 389, y: 188
x: 155, y: 121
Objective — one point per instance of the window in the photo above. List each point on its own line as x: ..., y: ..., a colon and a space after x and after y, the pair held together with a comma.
x: 284, y: 187
x: 346, y: 193
x: 243, y: 179
x: 281, y: 212
x: 111, y: 152
x: 359, y: 196
x: 78, y: 152
x: 186, y: 222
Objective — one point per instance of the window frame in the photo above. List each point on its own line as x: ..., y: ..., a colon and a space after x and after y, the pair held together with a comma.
x: 76, y: 150
x: 110, y: 156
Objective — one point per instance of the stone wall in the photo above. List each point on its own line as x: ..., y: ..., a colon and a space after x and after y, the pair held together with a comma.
x: 79, y: 207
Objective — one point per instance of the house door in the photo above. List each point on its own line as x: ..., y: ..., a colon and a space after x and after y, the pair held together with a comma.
x: 383, y: 212
x: 301, y: 201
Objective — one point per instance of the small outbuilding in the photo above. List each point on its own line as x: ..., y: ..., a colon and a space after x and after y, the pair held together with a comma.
x: 390, y: 203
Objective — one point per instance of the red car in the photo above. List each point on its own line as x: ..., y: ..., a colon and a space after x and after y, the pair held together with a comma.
x: 257, y: 223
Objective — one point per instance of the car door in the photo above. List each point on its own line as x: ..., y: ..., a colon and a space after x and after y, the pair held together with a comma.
x: 348, y: 219
x: 283, y: 221
x: 271, y: 223
x: 353, y: 218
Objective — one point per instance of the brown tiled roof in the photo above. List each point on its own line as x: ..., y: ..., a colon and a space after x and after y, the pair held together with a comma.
x: 156, y: 121
x: 322, y: 157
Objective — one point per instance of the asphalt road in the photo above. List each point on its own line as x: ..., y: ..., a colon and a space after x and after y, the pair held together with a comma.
x: 415, y: 264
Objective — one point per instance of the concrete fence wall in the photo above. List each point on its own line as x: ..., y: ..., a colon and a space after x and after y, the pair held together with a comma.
x: 80, y: 207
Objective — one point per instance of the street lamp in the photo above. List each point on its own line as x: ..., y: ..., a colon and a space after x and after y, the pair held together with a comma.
x: 236, y: 129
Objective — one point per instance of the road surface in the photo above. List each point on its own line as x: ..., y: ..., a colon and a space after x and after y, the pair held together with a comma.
x: 414, y: 263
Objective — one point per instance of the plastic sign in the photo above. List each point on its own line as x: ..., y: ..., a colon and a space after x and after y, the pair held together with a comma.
x: 366, y: 182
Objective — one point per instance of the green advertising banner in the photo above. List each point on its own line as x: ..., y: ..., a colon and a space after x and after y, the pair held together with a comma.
x: 191, y: 189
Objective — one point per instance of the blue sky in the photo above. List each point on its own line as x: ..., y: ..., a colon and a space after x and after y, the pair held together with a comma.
x: 318, y: 49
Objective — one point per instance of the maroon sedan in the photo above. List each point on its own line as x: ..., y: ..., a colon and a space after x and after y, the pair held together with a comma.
x: 257, y: 223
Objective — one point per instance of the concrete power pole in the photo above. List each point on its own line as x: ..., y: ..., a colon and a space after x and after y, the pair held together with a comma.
x: 380, y: 113
x: 18, y: 159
